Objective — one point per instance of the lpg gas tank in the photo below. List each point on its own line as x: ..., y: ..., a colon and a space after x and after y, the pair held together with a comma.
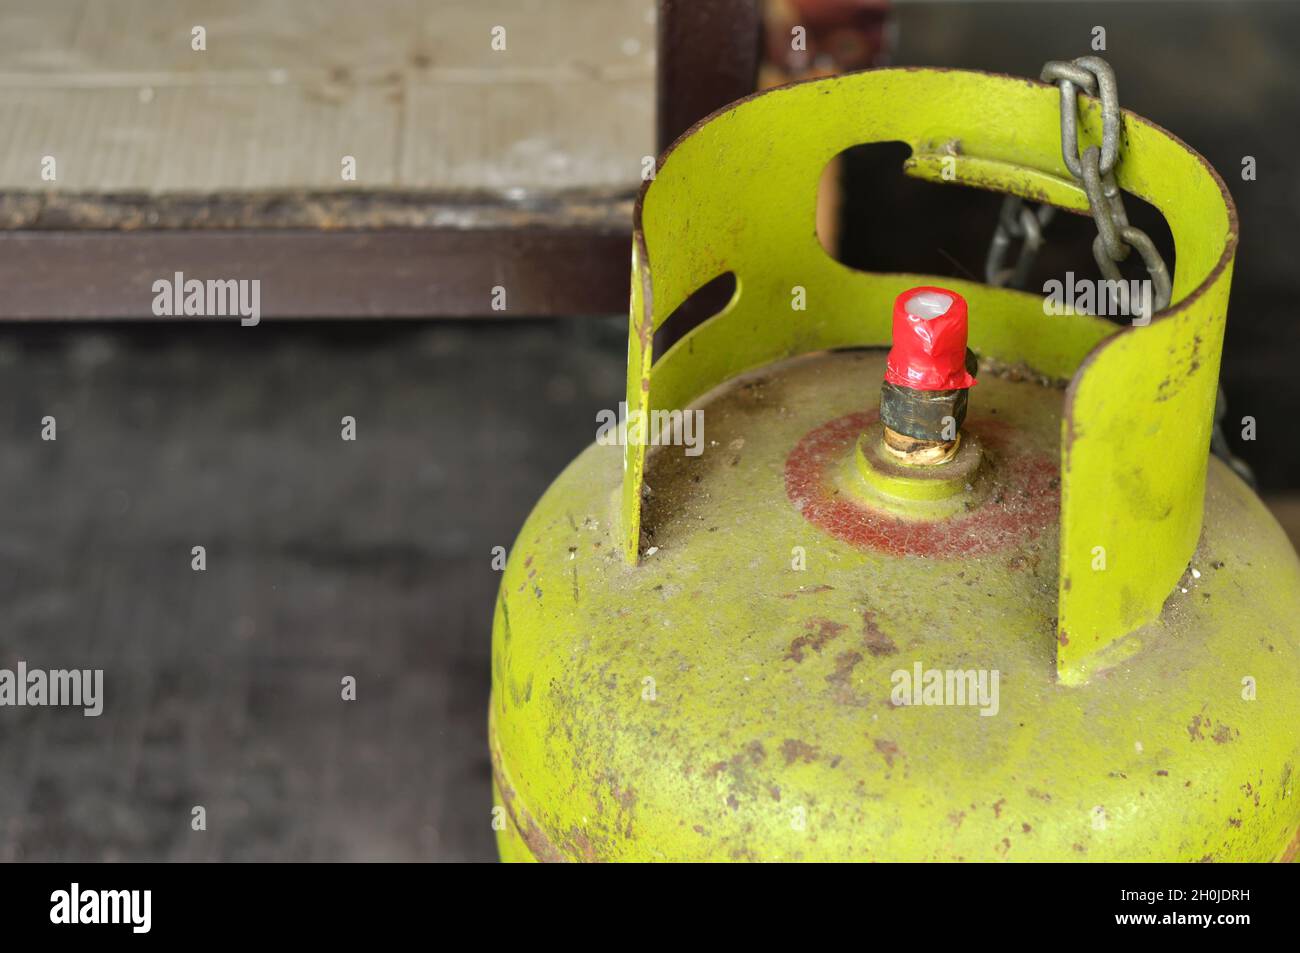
x: 1069, y: 634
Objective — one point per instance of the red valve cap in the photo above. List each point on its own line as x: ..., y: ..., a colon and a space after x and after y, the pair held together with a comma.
x: 929, y: 351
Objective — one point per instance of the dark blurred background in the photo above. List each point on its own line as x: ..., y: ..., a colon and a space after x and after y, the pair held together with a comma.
x: 325, y: 558
x: 372, y: 558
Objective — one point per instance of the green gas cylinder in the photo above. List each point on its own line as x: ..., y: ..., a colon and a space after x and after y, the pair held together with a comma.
x: 1071, y: 635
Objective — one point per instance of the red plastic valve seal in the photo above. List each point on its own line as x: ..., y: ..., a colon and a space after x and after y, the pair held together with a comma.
x: 929, y: 351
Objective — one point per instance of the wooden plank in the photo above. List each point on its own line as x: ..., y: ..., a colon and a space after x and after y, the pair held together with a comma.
x: 449, y: 135
x: 414, y: 90
x: 542, y: 136
x: 55, y: 211
x: 198, y: 139
x: 449, y: 272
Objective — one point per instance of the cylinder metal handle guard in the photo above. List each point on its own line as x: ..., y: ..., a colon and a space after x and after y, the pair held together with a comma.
x: 738, y: 193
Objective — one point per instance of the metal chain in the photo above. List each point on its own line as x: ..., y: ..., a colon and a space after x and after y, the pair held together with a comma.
x: 1016, y: 220
x: 1095, y: 169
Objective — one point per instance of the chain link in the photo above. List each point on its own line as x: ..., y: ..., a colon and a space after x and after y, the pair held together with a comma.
x: 1090, y: 73
x: 1095, y: 169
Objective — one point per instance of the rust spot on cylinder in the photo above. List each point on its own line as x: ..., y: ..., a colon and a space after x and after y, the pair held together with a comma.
x: 878, y: 643
x: 796, y: 750
x: 888, y: 749
x: 820, y: 631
